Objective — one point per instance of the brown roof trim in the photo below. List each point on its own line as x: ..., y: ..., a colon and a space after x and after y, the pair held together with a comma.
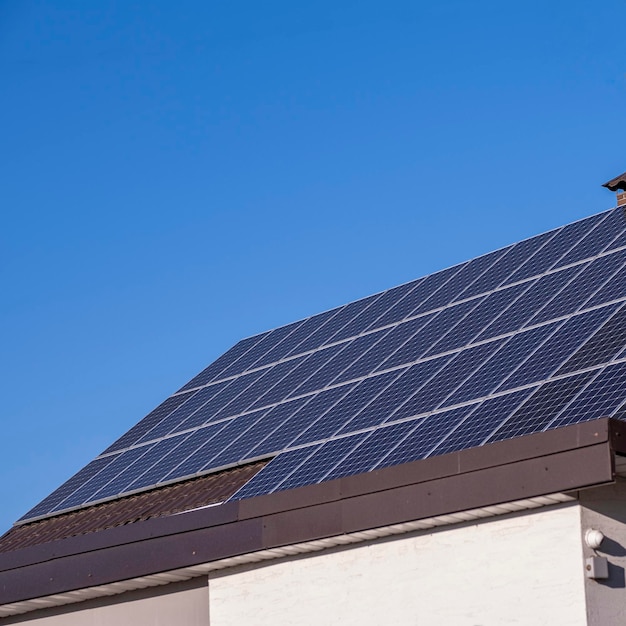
x: 619, y: 182
x: 564, y: 459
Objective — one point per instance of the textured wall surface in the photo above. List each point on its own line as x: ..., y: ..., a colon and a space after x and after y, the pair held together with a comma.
x: 604, y: 509
x: 189, y: 607
x: 519, y: 569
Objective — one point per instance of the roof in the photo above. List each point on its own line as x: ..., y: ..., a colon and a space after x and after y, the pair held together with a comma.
x: 189, y: 495
x: 526, y: 338
x: 497, y: 380
x: 617, y: 183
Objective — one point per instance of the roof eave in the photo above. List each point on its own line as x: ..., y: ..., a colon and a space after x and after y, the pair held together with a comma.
x: 565, y: 459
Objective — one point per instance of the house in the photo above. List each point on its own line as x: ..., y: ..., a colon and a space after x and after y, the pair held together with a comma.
x: 449, y: 451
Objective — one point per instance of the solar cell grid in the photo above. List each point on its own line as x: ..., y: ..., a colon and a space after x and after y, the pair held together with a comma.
x: 436, y: 328
x: 461, y: 334
x: 449, y: 292
x: 411, y: 355
x: 613, y: 289
x: 99, y: 480
x: 249, y: 360
x: 481, y: 422
x: 447, y: 379
x: 542, y: 407
x: 304, y: 369
x: 301, y: 419
x: 148, y: 422
x: 538, y: 293
x: 207, y: 413
x: 350, y: 405
x: 226, y: 360
x: 134, y: 470
x: 51, y: 502
x: 597, y: 239
x: 173, y: 421
x: 325, y: 333
x: 514, y: 350
x: 371, y: 360
x: 303, y: 330
x: 265, y: 381
x: 408, y: 383
x: 275, y: 472
x: 240, y: 447
x: 426, y: 436
x: 315, y: 467
x: 197, y: 461
x: 376, y: 444
x: 618, y: 242
x: 602, y: 346
x: 413, y: 300
x: 333, y: 368
x: 601, y: 398
x: 369, y: 315
x: 562, y: 242
x: 572, y: 297
x: 189, y: 444
x: 506, y: 264
x: 562, y: 344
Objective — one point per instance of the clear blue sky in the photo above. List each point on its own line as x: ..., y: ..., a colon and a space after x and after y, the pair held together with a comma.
x: 179, y: 175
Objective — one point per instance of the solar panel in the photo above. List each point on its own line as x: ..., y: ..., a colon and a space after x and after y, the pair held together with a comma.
x: 526, y: 338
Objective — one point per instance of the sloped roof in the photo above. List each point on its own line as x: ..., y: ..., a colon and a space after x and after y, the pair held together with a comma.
x: 528, y: 338
x: 170, y: 500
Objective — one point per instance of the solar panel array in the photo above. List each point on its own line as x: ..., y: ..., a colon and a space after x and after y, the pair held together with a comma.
x: 524, y: 339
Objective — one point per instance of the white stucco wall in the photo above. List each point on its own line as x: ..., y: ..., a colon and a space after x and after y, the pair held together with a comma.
x: 604, y: 509
x: 520, y: 569
x: 188, y: 607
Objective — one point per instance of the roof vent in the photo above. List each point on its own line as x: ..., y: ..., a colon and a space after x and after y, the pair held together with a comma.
x: 618, y: 184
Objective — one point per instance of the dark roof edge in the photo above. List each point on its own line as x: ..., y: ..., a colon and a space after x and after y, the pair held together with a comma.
x: 565, y: 459
x: 617, y: 183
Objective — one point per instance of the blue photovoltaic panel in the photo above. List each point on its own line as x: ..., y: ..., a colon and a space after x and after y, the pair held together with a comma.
x: 541, y: 363
x: 405, y: 307
x: 461, y: 334
x: 539, y: 292
x: 371, y: 360
x: 149, y: 422
x: 481, y: 422
x: 424, y: 438
x: 510, y: 353
x: 597, y: 239
x: 278, y: 470
x: 601, y: 398
x: 530, y: 337
x: 560, y: 245
x: 226, y: 360
x: 378, y: 443
x: 384, y: 405
x: 572, y: 297
x: 613, y: 289
x: 317, y: 466
x: 447, y: 379
x: 351, y: 404
x: 300, y: 420
x: 436, y: 328
x: 509, y: 262
x: 542, y: 407
x: 450, y: 291
x: 605, y: 344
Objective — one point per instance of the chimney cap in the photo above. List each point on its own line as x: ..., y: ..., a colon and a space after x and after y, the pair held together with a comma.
x: 617, y: 183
